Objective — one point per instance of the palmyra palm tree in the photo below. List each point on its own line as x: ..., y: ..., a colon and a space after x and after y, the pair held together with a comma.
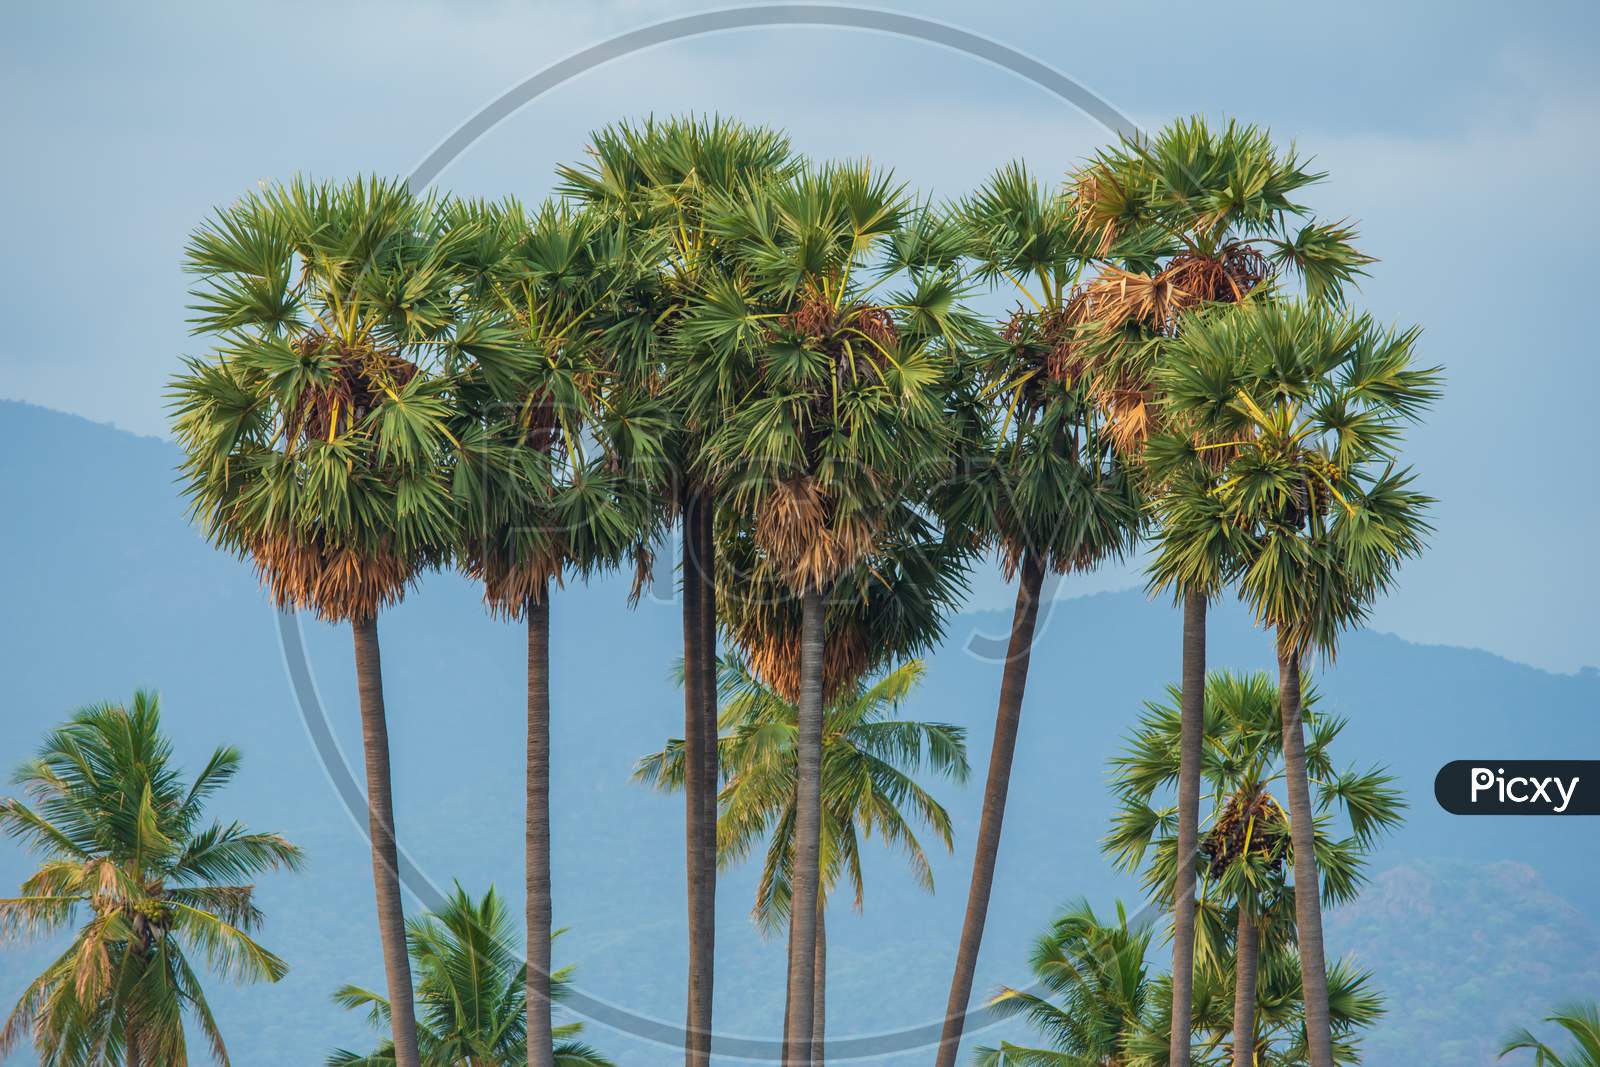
x: 1095, y: 994
x: 1200, y: 217
x: 659, y: 179
x: 315, y: 435
x: 845, y: 423
x: 123, y: 839
x: 471, y: 994
x: 541, y: 491
x: 1246, y: 838
x: 869, y: 762
x: 1582, y: 1024
x: 1306, y: 404
x: 1048, y: 492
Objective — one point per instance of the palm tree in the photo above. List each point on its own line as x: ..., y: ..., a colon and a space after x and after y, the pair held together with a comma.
x: 122, y: 838
x: 1245, y: 839
x: 542, y: 493
x: 1095, y: 998
x: 659, y: 179
x: 1200, y: 216
x: 1307, y: 404
x: 471, y: 994
x: 869, y: 762
x: 1279, y: 1032
x: 847, y: 421
x: 1582, y: 1024
x: 1049, y: 493
x: 315, y: 435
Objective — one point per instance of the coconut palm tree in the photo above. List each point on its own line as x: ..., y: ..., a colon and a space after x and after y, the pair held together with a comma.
x: 1245, y: 833
x: 1201, y: 216
x: 845, y: 422
x: 1582, y: 1024
x: 315, y: 434
x: 541, y: 492
x: 658, y: 179
x: 125, y: 846
x: 1305, y: 404
x: 471, y: 993
x: 1279, y: 1032
x: 869, y: 763
x: 1094, y: 994
x: 1048, y: 492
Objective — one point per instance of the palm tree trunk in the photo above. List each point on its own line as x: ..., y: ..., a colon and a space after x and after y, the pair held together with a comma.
x: 1246, y: 952
x: 1192, y: 703
x: 808, y: 835
x: 131, y: 1052
x: 710, y: 773
x: 1013, y: 681
x: 819, y: 1000
x: 380, y: 831
x: 699, y: 787
x: 536, y: 842
x: 1302, y: 833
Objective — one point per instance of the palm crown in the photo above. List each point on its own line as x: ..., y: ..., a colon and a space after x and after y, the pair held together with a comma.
x: 471, y: 993
x: 557, y: 458
x: 847, y: 419
x: 869, y: 759
x: 1297, y: 411
x: 125, y: 844
x: 1245, y: 840
x: 1094, y: 993
x: 316, y: 436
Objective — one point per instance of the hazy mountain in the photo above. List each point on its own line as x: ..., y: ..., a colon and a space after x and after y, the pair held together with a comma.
x: 106, y: 587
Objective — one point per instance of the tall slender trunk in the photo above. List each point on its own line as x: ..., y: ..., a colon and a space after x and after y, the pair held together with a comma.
x: 536, y: 843
x: 1192, y: 705
x: 132, y: 1054
x: 710, y: 768
x: 1013, y: 681
x: 819, y: 1000
x: 808, y: 835
x: 699, y: 786
x: 1302, y: 833
x: 380, y: 830
x: 1246, y: 953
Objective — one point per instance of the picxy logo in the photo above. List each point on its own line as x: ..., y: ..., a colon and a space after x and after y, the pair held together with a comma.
x: 1519, y: 787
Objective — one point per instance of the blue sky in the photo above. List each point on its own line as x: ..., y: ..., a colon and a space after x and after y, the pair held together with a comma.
x: 1461, y: 137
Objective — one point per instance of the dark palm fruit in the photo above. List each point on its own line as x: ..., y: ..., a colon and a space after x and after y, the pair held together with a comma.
x: 1248, y: 815
x: 362, y: 375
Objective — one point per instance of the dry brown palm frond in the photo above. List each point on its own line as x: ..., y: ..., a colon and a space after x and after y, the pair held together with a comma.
x: 807, y: 541
x: 509, y: 587
x: 1227, y: 277
x: 1089, y: 191
x: 336, y: 584
x: 775, y: 659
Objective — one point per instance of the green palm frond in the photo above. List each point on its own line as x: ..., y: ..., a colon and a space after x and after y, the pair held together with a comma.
x: 119, y: 835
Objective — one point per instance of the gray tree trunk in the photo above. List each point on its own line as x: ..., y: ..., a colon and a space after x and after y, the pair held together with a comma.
x: 808, y: 835
x: 1013, y: 682
x: 712, y: 776
x: 1246, y: 953
x: 380, y: 831
x: 819, y: 1004
x: 700, y: 779
x: 1191, y: 737
x: 541, y: 1041
x: 1302, y: 833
